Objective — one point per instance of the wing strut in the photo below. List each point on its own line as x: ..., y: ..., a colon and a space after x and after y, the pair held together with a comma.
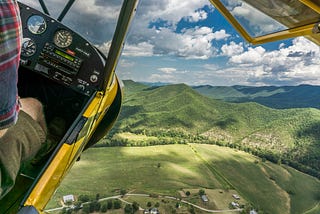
x: 65, y: 10
x: 125, y: 17
x: 44, y: 7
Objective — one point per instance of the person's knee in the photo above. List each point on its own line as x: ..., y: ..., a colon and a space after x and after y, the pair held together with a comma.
x: 34, y: 108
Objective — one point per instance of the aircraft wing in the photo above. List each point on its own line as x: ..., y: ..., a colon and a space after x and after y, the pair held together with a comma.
x: 272, y: 20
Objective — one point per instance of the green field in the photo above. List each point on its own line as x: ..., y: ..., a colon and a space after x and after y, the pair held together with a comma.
x: 166, y: 170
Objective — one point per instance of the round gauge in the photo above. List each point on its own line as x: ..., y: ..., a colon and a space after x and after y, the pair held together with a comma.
x: 28, y: 48
x: 36, y: 24
x: 62, y: 38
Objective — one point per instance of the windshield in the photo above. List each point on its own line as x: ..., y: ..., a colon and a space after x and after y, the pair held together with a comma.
x: 272, y: 16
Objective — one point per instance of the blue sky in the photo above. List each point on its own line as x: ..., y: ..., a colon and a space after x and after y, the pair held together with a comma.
x: 189, y: 42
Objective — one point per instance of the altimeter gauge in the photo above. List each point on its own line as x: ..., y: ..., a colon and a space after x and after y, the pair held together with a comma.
x: 36, y: 24
x: 28, y: 48
x: 62, y: 38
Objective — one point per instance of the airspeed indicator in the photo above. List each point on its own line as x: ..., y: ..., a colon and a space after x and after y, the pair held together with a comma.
x: 62, y: 38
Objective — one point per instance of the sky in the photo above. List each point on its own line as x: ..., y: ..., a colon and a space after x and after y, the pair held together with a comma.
x: 174, y: 41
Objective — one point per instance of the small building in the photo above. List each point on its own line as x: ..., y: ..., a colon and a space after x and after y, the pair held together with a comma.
x: 154, y: 211
x: 235, y: 204
x: 151, y: 211
x: 68, y: 198
x: 236, y: 196
x: 204, y: 198
x: 253, y: 212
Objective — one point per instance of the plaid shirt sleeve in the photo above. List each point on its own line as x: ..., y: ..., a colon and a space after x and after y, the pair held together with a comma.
x: 10, y: 47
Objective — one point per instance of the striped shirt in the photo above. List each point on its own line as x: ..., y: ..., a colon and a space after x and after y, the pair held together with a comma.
x: 10, y: 47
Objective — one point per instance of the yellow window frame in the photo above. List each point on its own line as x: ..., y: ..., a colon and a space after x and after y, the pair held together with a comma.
x: 306, y: 30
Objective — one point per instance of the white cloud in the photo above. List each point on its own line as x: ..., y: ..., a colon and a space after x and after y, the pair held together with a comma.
x: 168, y: 78
x: 124, y: 63
x: 105, y: 47
x: 170, y: 10
x: 167, y: 70
x: 188, y: 43
x: 232, y: 49
x: 252, y: 56
x: 297, y: 64
x: 193, y: 43
x: 196, y: 43
x: 220, y: 35
x: 197, y: 16
x: 141, y: 49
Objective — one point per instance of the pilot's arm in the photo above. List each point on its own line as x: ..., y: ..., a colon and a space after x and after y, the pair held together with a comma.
x: 22, y: 128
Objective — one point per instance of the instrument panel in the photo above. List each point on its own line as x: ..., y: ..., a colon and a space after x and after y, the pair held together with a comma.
x: 55, y: 51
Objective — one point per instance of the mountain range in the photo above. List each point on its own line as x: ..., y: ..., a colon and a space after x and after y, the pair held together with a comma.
x: 281, y: 97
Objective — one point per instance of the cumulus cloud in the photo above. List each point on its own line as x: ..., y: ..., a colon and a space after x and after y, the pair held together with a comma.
x: 141, y: 49
x: 194, y: 43
x: 170, y: 10
x: 296, y: 64
x: 197, y: 43
x: 221, y: 35
x: 188, y: 43
x: 232, y: 49
x: 251, y: 56
x: 197, y: 16
x: 167, y: 70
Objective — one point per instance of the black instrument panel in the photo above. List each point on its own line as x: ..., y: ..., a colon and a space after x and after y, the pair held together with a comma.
x: 58, y: 53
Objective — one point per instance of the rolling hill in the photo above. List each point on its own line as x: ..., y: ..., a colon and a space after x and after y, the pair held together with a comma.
x: 180, y: 112
x: 282, y: 97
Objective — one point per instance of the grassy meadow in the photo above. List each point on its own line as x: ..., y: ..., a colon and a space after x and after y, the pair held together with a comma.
x: 166, y: 170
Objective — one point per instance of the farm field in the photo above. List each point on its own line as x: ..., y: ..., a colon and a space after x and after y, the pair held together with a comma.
x: 170, y: 169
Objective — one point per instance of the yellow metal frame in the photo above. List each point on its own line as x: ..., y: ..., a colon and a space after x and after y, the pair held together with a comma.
x: 98, y: 107
x: 311, y: 5
x: 305, y: 30
x: 68, y: 153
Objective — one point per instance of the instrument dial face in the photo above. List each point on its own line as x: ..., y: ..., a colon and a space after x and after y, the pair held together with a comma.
x: 28, y: 48
x: 36, y: 24
x: 62, y: 38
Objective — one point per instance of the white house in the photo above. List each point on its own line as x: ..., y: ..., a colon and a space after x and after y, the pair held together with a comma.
x: 235, y: 204
x: 68, y: 198
x: 235, y: 196
x: 204, y: 198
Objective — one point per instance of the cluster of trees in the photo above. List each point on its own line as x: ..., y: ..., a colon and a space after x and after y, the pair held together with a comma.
x: 163, y: 137
x: 131, y: 208
x: 87, y: 205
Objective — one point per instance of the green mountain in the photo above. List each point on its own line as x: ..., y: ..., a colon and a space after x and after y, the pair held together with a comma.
x: 282, y: 97
x: 178, y: 113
